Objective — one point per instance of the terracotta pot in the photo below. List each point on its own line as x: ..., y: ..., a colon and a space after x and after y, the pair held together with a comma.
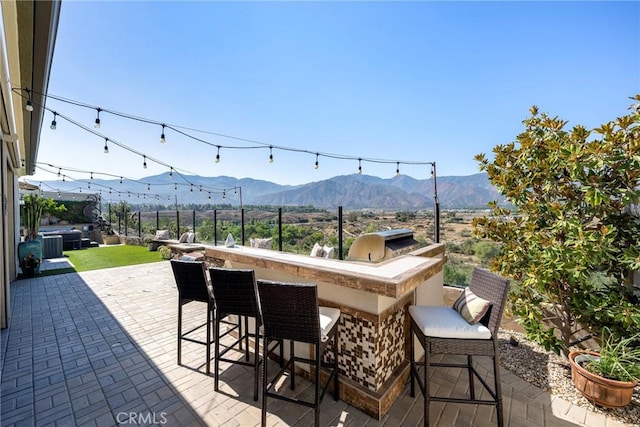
x: 599, y: 390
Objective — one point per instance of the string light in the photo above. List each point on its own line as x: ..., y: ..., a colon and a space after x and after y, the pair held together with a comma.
x: 120, y: 180
x: 397, y: 168
x: 218, y: 146
x: 148, y: 187
x: 224, y: 195
x: 91, y: 175
x: 191, y: 189
x: 209, y: 196
x: 59, y: 170
x: 270, y: 154
x: 106, y: 147
x: 316, y: 165
x: 162, y: 138
x: 360, y: 166
x: 63, y: 180
x: 29, y: 106
x: 53, y: 122
x: 97, y: 122
x: 171, y: 172
x: 175, y: 186
x: 144, y: 164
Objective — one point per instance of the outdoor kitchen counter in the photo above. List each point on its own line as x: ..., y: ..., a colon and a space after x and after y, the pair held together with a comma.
x: 373, y: 299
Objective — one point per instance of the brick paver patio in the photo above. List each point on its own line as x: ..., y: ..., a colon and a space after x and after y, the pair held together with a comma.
x: 99, y: 349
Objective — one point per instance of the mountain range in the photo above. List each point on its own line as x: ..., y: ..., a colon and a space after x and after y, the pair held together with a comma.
x: 350, y: 191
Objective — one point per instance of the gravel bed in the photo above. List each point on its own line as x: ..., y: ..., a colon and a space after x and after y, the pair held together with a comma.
x: 552, y: 373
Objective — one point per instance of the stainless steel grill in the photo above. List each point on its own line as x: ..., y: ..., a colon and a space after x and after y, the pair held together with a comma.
x: 382, y: 245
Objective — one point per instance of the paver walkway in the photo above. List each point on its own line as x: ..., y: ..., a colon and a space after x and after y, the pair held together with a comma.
x: 99, y: 349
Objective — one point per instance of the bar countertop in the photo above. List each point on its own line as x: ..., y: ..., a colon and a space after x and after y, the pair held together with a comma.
x: 393, y: 278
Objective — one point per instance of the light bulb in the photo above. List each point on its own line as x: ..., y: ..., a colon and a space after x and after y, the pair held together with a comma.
x: 397, y: 168
x: 97, y: 122
x: 270, y: 154
x: 29, y: 106
x: 53, y: 122
x: 106, y: 147
x: 162, y: 138
x: 144, y: 164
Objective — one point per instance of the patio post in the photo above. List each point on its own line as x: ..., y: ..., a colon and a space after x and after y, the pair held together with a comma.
x: 280, y: 229
x: 340, y: 256
x: 242, y: 224
x: 215, y: 227
x: 194, y: 225
x: 178, y: 224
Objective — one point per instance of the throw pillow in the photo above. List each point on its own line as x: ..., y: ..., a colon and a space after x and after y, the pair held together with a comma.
x: 328, y: 251
x: 162, y: 235
x: 471, y: 307
x: 260, y: 243
x: 317, y: 250
x: 183, y: 238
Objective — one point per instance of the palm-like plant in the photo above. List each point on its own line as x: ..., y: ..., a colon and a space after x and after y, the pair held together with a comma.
x: 618, y: 360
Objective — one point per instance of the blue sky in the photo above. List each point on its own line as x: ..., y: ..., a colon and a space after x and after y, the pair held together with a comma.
x: 399, y: 81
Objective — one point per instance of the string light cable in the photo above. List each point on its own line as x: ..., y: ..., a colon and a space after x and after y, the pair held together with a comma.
x: 182, y: 130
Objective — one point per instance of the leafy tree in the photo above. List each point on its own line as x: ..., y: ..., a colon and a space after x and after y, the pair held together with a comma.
x: 573, y: 240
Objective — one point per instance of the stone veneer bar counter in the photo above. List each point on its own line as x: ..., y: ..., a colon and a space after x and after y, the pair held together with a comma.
x: 373, y: 299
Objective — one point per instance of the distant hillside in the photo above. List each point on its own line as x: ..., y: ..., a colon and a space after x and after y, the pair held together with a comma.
x: 350, y: 191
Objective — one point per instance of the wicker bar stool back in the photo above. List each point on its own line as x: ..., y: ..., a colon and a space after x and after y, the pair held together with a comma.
x: 235, y: 293
x: 444, y: 330
x: 191, y: 281
x: 290, y: 311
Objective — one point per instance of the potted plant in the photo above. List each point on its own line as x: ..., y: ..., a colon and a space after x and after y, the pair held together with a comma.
x: 109, y: 237
x: 29, y: 265
x: 608, y: 378
x: 149, y: 243
x: 30, y: 251
x: 165, y: 252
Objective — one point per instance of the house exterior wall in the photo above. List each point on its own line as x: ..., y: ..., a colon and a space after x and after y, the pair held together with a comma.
x: 27, y: 42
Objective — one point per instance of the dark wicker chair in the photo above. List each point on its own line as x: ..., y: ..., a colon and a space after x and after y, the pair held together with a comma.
x: 192, y: 284
x: 235, y: 293
x: 290, y: 311
x: 442, y: 330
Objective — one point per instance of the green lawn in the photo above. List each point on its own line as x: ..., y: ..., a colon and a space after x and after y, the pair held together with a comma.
x: 110, y: 256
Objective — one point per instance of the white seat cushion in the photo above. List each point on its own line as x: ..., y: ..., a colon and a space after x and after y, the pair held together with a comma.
x: 328, y: 317
x: 445, y: 322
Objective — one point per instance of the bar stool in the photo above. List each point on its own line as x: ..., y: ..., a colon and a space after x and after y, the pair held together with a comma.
x: 290, y: 311
x: 191, y: 281
x: 235, y: 293
x: 468, y: 328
